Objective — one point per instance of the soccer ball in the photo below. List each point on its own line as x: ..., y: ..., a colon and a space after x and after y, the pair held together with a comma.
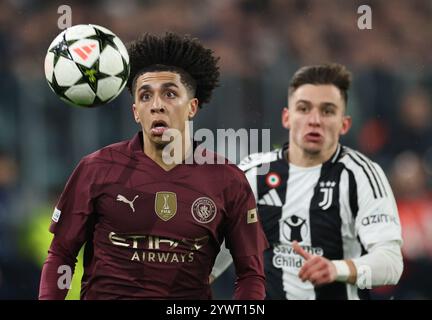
x: 87, y: 65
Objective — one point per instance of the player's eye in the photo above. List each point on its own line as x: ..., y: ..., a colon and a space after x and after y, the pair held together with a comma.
x: 171, y: 94
x: 302, y: 108
x: 328, y: 111
x: 145, y: 97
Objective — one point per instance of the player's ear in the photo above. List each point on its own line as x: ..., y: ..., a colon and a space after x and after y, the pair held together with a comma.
x: 346, y: 124
x: 135, y: 113
x: 193, y: 108
x: 285, y: 117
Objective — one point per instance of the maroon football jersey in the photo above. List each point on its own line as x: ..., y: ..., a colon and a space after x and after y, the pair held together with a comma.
x: 152, y: 233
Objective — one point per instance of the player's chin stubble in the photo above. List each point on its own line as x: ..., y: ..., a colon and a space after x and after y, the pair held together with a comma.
x: 159, y: 144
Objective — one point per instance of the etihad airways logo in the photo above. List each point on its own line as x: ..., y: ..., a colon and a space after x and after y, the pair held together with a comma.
x: 150, y: 248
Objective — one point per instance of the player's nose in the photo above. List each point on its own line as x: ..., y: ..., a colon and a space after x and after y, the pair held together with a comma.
x: 314, y: 118
x: 157, y: 106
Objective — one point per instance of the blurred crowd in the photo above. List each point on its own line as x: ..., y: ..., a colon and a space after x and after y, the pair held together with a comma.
x: 261, y: 43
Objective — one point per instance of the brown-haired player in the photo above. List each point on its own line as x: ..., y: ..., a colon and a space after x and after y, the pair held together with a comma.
x: 327, y: 210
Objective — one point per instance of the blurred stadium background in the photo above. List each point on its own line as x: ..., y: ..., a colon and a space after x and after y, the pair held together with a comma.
x: 261, y: 44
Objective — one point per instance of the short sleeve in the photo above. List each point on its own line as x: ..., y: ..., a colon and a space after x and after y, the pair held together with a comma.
x: 244, y: 233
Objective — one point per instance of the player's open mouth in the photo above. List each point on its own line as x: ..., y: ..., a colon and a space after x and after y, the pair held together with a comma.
x: 313, y: 137
x: 158, y: 127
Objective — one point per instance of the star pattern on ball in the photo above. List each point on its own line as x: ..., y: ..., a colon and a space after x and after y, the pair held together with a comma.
x: 104, y: 39
x: 61, y: 49
x: 92, y: 75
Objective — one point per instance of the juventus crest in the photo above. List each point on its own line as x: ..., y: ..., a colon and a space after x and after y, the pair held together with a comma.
x: 327, y: 189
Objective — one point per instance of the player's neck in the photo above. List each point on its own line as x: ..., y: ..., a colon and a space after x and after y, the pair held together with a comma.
x: 159, y: 154
x: 302, y: 158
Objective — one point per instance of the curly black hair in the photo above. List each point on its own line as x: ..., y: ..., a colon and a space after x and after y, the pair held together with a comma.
x: 197, y: 66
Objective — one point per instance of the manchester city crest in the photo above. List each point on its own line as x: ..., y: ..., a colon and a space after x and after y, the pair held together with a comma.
x: 203, y: 210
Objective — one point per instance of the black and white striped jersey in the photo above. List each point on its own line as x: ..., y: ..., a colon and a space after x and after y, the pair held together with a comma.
x: 337, y: 209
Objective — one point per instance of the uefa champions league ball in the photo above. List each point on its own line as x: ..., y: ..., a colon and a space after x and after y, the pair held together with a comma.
x: 87, y: 65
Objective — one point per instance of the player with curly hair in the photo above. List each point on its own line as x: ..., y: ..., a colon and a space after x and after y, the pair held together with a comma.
x: 153, y: 229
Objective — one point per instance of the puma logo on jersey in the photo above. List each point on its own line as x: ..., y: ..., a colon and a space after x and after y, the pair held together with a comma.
x: 327, y: 189
x: 130, y: 203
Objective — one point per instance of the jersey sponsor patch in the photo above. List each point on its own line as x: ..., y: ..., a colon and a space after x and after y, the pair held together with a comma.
x: 295, y: 228
x: 379, y: 218
x: 252, y: 216
x: 56, y: 215
x: 284, y: 256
